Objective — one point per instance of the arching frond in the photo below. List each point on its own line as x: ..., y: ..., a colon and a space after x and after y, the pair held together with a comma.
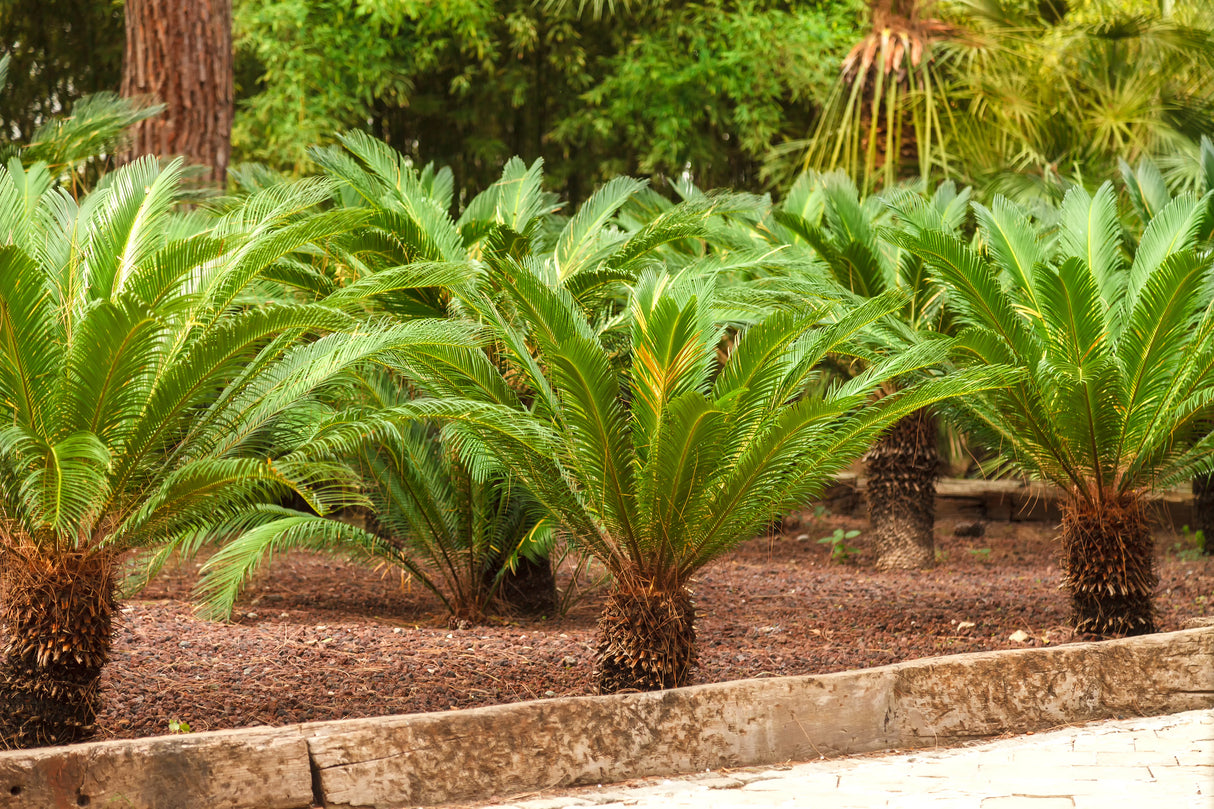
x: 577, y: 241
x: 29, y: 344
x: 260, y: 534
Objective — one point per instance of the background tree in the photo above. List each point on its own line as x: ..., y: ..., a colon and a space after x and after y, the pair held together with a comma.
x: 708, y: 88
x: 60, y: 51
x: 179, y: 53
x: 1052, y: 90
x: 1018, y: 96
x: 885, y: 117
x: 658, y: 90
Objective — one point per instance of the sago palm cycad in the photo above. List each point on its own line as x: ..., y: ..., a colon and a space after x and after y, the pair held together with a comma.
x: 661, y: 465
x: 1119, y: 375
x: 456, y: 530
x: 149, y: 390
x: 466, y: 529
x: 826, y: 213
x: 592, y: 254
x: 1151, y: 190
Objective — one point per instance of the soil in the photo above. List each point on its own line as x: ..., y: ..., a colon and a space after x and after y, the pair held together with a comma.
x: 319, y: 637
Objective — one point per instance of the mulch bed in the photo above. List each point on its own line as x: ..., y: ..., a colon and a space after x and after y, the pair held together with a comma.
x: 324, y: 638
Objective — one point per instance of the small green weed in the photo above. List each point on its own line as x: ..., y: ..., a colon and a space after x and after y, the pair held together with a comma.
x: 981, y: 554
x: 840, y: 551
x: 176, y: 726
x: 1192, y: 547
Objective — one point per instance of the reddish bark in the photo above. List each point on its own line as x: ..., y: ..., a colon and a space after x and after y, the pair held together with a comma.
x: 180, y: 53
x: 323, y: 638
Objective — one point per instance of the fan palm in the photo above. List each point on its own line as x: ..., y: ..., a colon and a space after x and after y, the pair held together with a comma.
x: 1119, y: 375
x: 150, y: 390
x: 891, y: 98
x: 658, y: 466
x: 1045, y: 90
x: 1014, y: 95
x: 902, y: 467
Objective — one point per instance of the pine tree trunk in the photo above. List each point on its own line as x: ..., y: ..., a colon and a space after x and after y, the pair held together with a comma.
x: 180, y: 53
x: 647, y: 639
x: 530, y: 588
x: 1108, y: 567
x: 902, y: 471
x: 56, y: 612
x: 1203, y: 511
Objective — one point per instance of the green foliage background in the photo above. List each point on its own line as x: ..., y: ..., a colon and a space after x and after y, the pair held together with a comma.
x: 707, y: 87
x: 60, y: 50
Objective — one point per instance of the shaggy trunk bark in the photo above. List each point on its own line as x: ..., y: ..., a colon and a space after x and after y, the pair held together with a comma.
x: 57, y: 617
x: 647, y: 639
x: 1203, y: 511
x: 901, y: 491
x: 1108, y: 567
x: 530, y: 588
x: 181, y: 54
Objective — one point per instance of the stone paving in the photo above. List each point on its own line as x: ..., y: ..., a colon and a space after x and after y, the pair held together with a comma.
x: 1164, y: 762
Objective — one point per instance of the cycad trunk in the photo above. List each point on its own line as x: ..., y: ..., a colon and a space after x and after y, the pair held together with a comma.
x: 647, y: 639
x: 902, y: 471
x: 1203, y: 511
x: 56, y: 611
x: 530, y: 587
x: 1108, y: 566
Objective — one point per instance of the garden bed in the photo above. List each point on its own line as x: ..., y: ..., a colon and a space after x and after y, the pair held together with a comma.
x: 501, y: 750
x: 321, y: 638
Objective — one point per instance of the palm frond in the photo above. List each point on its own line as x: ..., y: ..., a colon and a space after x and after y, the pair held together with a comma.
x: 519, y: 199
x: 256, y: 537
x: 1090, y: 231
x: 62, y: 484
x: 589, y: 404
x: 1175, y: 229
x: 126, y: 229
x: 95, y: 127
x: 1013, y: 242
x: 1145, y: 187
x: 29, y: 358
x: 1157, y: 333
x: 974, y: 287
x: 579, y: 238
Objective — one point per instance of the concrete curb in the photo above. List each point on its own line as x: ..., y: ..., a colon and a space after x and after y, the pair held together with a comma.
x: 1002, y: 501
x: 506, y: 749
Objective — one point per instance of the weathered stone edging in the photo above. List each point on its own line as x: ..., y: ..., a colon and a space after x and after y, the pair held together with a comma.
x: 499, y: 750
x: 1003, y: 501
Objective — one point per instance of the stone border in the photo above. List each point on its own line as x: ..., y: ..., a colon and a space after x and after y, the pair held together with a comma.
x: 481, y: 753
x: 1001, y: 501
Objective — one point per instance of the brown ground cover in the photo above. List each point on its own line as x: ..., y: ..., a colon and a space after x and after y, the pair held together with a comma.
x: 324, y: 638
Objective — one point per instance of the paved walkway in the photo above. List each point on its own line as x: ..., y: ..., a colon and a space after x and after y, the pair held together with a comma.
x: 1164, y: 762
